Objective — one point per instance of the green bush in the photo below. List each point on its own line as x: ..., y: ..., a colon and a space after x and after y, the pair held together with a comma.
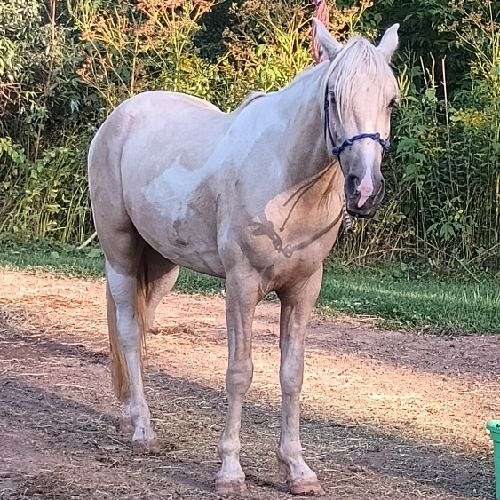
x: 443, y: 172
x: 65, y: 65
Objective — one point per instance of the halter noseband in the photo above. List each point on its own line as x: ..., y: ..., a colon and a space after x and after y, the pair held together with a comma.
x: 337, y: 150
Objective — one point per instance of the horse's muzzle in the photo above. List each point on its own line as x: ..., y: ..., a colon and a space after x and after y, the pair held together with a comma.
x: 369, y: 207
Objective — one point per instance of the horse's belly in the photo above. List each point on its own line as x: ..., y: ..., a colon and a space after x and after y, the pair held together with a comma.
x: 193, y: 254
x: 189, y: 242
x: 180, y: 225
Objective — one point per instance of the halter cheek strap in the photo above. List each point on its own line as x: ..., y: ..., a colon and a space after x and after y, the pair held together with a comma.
x: 337, y: 150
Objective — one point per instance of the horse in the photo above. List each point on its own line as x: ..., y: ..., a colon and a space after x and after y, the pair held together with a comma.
x: 254, y: 196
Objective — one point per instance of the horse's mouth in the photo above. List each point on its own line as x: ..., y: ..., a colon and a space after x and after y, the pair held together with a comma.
x: 360, y: 213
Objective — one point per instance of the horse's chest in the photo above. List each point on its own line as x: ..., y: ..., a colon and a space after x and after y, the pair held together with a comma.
x: 297, y: 228
x: 283, y: 248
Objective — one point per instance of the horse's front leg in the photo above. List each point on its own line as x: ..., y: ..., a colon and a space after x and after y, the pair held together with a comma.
x: 296, y: 306
x: 242, y: 290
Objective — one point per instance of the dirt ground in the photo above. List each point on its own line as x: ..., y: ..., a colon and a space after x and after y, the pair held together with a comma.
x: 386, y: 414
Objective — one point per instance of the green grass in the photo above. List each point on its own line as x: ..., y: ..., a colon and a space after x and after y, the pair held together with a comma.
x: 398, y: 295
x: 66, y: 260
x: 404, y: 296
x: 61, y: 260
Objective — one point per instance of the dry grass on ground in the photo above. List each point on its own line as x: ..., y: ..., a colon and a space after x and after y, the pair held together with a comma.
x: 386, y: 414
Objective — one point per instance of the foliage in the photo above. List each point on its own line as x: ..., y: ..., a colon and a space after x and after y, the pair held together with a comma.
x: 65, y: 65
x: 443, y: 173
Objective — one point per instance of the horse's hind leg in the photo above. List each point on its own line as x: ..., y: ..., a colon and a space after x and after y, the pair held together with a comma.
x: 137, y: 279
x: 127, y: 287
x: 126, y: 333
x: 161, y: 275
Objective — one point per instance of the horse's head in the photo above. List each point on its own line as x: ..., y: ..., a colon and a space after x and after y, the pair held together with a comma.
x: 359, y: 93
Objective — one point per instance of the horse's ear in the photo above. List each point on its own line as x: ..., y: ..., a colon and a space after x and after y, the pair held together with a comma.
x: 327, y: 42
x: 389, y: 42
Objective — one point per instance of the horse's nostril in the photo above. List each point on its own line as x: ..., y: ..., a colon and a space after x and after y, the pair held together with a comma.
x: 352, y: 184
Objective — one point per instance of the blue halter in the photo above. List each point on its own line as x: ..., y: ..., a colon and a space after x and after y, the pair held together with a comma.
x: 385, y: 143
x: 337, y: 150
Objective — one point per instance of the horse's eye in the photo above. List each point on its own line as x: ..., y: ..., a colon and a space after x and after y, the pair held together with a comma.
x: 392, y: 103
x: 332, y: 98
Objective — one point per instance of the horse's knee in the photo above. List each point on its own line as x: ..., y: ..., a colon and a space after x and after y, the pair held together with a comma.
x: 291, y: 389
x: 291, y: 381
x: 239, y: 376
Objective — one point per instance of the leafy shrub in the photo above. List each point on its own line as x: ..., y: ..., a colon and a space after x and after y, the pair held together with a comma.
x: 65, y: 65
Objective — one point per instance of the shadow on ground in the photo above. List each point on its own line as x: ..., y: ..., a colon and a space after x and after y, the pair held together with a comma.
x: 74, y: 449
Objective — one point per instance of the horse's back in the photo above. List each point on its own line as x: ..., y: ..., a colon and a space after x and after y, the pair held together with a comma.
x: 150, y: 162
x: 169, y: 126
x: 155, y: 113
x: 150, y: 133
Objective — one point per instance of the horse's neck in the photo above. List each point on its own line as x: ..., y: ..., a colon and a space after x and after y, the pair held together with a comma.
x: 305, y: 153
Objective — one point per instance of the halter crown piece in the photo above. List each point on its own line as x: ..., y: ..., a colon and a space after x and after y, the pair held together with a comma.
x: 337, y: 150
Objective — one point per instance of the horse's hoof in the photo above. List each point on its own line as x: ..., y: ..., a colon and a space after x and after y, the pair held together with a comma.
x: 230, y: 487
x: 306, y: 488
x: 142, y: 446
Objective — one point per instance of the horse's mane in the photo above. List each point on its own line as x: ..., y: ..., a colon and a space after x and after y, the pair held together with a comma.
x: 359, y: 62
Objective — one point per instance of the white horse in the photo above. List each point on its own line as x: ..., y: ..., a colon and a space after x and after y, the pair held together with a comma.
x: 255, y: 197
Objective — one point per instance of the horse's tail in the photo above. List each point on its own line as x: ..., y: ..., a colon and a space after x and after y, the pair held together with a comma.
x: 119, y: 373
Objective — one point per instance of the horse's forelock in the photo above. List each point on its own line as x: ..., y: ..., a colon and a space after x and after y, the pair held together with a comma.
x: 359, y: 62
